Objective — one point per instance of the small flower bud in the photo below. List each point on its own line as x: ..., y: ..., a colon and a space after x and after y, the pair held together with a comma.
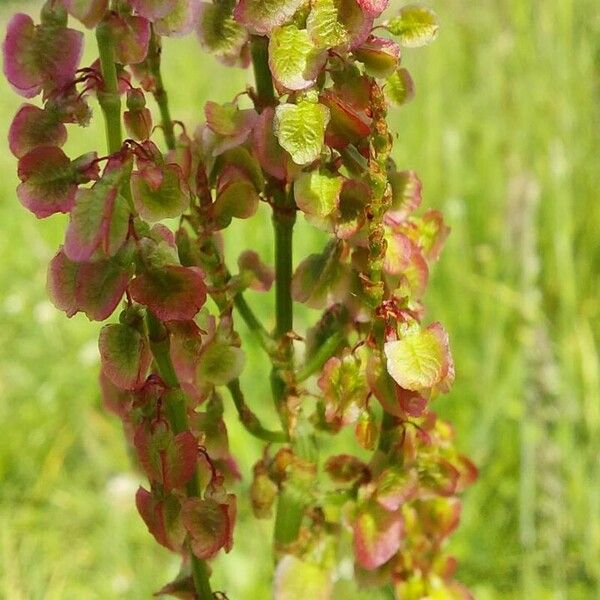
x: 138, y: 119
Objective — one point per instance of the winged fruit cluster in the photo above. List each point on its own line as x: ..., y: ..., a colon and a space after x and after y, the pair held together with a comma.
x: 310, y: 137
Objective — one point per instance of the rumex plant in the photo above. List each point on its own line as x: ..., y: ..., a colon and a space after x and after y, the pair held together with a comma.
x: 311, y: 137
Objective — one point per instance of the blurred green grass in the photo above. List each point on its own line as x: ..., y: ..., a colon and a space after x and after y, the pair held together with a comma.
x: 505, y: 132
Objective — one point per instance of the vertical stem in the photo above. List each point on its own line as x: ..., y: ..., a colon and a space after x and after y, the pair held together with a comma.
x: 110, y: 102
x: 284, y: 218
x: 262, y: 73
x: 160, y: 94
x: 291, y: 505
x: 292, y: 502
x: 201, y: 578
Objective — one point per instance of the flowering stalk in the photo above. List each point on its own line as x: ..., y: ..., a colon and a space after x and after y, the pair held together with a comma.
x: 311, y: 140
x: 110, y: 102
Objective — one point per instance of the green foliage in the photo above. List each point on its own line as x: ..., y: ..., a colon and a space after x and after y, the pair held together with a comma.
x: 300, y: 129
x: 294, y: 59
x: 414, y: 26
x: 468, y: 125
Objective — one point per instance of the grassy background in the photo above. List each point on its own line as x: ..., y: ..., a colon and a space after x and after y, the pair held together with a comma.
x: 505, y: 134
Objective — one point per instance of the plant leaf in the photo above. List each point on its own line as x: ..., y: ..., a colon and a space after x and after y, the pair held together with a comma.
x: 132, y: 36
x: 400, y: 87
x: 210, y: 525
x: 93, y: 288
x: 49, y: 181
x: 220, y: 363
x: 344, y: 388
x: 351, y: 214
x: 321, y: 279
x: 99, y: 221
x: 415, y: 26
x: 219, y: 32
x: 406, y: 195
x: 167, y: 200
x: 172, y: 293
x: 348, y: 124
x: 232, y: 125
x: 379, y: 55
x: 227, y: 119
x: 185, y: 349
x: 395, y: 486
x: 236, y: 197
x: 153, y: 9
x: 324, y: 26
x: 273, y: 159
x: 262, y: 16
x: 89, y: 12
x: 138, y: 124
x: 181, y: 20
x: 356, y: 21
x: 294, y: 59
x: 421, y: 359
x: 300, y: 129
x: 33, y: 127
x: 430, y: 233
x: 245, y: 162
x: 263, y: 492
x: 373, y: 7
x: 318, y: 192
x: 162, y: 518
x: 166, y: 458
x: 377, y: 535
x: 40, y: 57
x: 125, y: 356
x: 345, y: 468
x: 259, y: 275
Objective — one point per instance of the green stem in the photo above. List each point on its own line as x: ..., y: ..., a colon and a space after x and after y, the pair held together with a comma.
x: 177, y: 414
x: 388, y: 426
x: 160, y: 94
x: 108, y: 97
x: 254, y: 325
x: 201, y: 577
x: 219, y: 276
x: 288, y: 519
x: 262, y: 73
x: 110, y: 103
x: 250, y: 420
x: 284, y: 218
x: 292, y: 502
x: 321, y: 356
x: 213, y: 264
x: 159, y: 342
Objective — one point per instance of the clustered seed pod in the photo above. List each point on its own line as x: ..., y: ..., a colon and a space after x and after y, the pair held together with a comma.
x: 311, y: 139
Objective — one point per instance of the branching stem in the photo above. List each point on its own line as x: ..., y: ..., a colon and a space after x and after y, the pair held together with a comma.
x: 159, y: 93
x: 247, y: 417
x: 321, y: 356
x: 254, y: 325
x: 291, y: 504
x: 110, y: 103
x: 250, y: 420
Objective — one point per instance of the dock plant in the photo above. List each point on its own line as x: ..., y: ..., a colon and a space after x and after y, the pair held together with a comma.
x: 143, y: 253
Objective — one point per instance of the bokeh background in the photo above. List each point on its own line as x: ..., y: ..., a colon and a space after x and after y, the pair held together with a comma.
x: 505, y: 133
